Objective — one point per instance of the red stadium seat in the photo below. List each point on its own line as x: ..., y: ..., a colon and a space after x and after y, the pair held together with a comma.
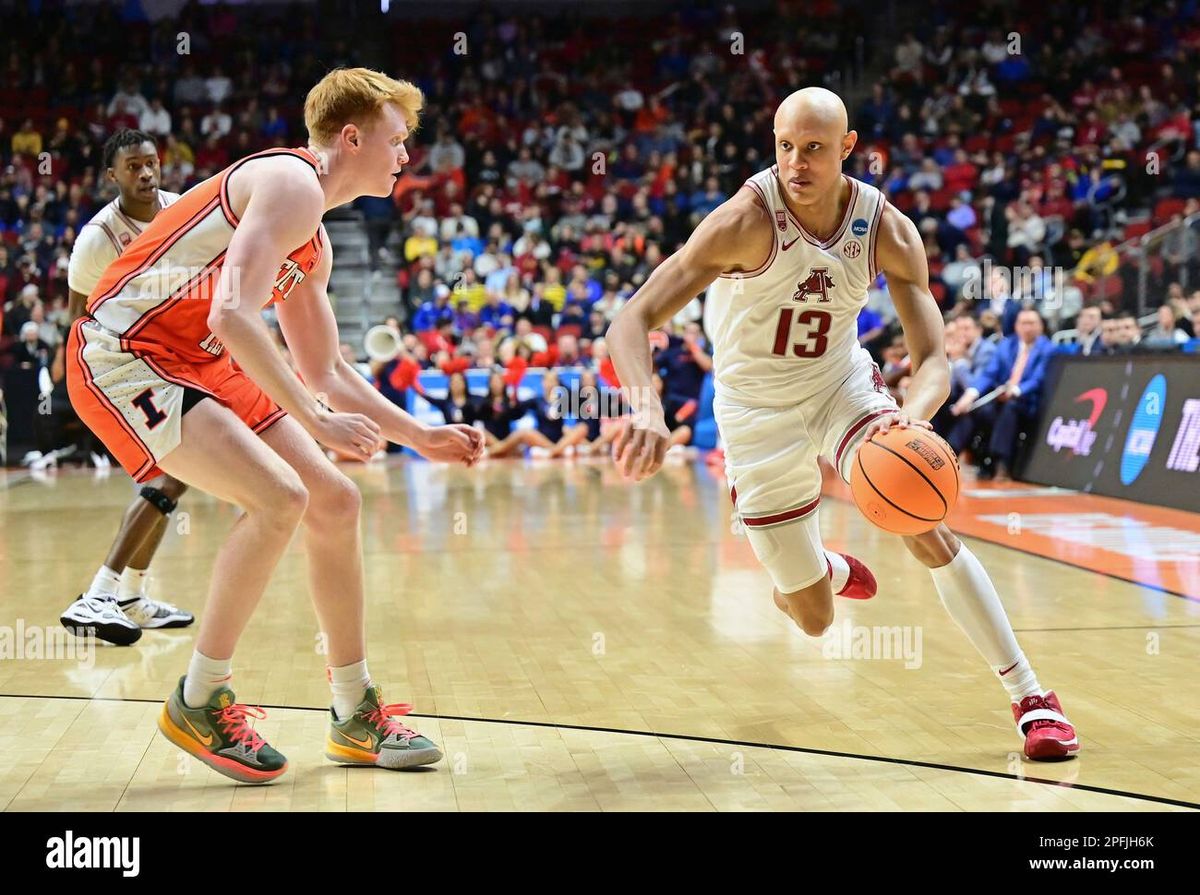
x: 978, y: 143
x: 1005, y: 143
x: 570, y: 329
x: 1110, y: 287
x: 1167, y: 207
x: 938, y: 290
x: 939, y: 200
x: 1137, y: 228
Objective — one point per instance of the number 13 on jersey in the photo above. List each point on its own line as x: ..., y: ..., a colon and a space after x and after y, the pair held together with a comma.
x: 814, y: 330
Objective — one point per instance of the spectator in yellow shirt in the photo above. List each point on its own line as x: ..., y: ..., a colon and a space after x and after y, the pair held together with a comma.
x: 1098, y: 261
x: 27, y: 141
x: 471, y: 290
x: 555, y: 292
x: 420, y: 244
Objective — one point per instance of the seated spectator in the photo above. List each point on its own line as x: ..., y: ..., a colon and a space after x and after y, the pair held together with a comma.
x: 1130, y: 329
x: 496, y: 313
x: 1017, y: 368
x: 433, y: 314
x: 1087, y: 330
x: 1166, y: 332
x: 470, y: 290
x: 538, y: 311
x: 683, y: 363
x: 969, y: 353
x: 421, y: 243
x: 465, y: 320
x: 458, y: 406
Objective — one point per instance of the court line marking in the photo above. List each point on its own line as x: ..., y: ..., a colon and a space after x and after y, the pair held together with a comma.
x: 805, y: 750
x: 1066, y: 562
x: 1111, y: 628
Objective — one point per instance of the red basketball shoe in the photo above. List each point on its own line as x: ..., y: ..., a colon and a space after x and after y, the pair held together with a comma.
x: 861, y: 583
x: 1047, y: 732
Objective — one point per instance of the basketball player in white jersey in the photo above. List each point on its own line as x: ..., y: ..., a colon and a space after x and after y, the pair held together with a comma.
x: 789, y: 259
x: 115, y: 605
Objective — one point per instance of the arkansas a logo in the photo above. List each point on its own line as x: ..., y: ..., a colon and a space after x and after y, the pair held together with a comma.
x: 877, y: 382
x: 818, y: 283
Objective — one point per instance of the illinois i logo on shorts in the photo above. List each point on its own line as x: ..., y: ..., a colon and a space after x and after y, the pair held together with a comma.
x: 816, y: 283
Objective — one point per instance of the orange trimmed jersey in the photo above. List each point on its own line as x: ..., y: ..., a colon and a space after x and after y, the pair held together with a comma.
x: 157, y: 295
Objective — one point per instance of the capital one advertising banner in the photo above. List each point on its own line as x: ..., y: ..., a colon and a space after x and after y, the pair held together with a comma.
x: 1124, y: 426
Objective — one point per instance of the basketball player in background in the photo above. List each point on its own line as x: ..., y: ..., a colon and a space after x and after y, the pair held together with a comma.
x: 789, y: 259
x: 150, y: 372
x: 115, y: 605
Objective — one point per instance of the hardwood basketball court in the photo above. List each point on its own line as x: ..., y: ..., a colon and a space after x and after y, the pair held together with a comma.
x: 573, y: 641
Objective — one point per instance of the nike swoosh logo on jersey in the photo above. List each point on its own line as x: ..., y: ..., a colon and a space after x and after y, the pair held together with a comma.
x: 788, y: 245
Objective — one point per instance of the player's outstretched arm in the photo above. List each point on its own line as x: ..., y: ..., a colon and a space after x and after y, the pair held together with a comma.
x: 282, y: 212
x: 902, y: 260
x: 736, y: 236
x: 310, y: 330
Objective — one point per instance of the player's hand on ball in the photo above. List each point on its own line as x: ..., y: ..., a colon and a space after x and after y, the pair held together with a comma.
x: 900, y: 419
x: 451, y: 444
x: 351, y: 434
x: 641, y: 447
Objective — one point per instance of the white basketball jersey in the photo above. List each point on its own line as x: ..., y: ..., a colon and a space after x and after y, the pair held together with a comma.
x: 789, y: 329
x: 102, y: 239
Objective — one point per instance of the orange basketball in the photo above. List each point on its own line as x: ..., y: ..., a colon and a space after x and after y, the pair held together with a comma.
x: 906, y: 481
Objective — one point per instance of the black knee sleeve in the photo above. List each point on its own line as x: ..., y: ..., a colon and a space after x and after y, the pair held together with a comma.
x: 164, y: 504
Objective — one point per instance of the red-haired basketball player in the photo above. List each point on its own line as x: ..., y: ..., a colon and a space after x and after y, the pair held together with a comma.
x: 150, y: 372
x: 789, y: 259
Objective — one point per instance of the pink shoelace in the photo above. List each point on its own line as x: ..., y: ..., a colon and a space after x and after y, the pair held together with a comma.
x: 382, y: 719
x: 234, y: 724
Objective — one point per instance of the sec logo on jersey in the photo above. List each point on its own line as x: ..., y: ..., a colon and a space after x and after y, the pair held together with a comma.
x: 852, y: 249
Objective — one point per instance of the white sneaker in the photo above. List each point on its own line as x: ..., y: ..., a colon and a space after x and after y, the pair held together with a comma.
x: 101, y: 616
x: 46, y: 461
x: 149, y: 613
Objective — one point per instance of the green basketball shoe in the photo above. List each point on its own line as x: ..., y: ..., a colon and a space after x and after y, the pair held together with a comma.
x: 372, y: 736
x: 219, y: 735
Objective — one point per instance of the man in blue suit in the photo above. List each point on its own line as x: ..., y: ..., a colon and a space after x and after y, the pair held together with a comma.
x: 1019, y: 365
x: 970, y: 352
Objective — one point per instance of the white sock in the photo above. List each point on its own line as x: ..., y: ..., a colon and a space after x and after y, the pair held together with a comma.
x: 205, y: 677
x: 349, y: 683
x: 105, y: 584
x: 970, y: 597
x: 839, y: 572
x: 133, y: 584
x: 1019, y: 679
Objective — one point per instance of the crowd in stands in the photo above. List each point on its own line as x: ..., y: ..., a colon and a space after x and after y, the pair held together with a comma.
x: 561, y: 159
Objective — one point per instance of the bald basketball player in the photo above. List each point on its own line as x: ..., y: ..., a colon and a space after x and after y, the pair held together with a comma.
x: 151, y: 374
x: 787, y: 262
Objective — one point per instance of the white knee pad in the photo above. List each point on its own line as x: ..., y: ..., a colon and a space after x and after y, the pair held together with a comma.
x: 791, y: 552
